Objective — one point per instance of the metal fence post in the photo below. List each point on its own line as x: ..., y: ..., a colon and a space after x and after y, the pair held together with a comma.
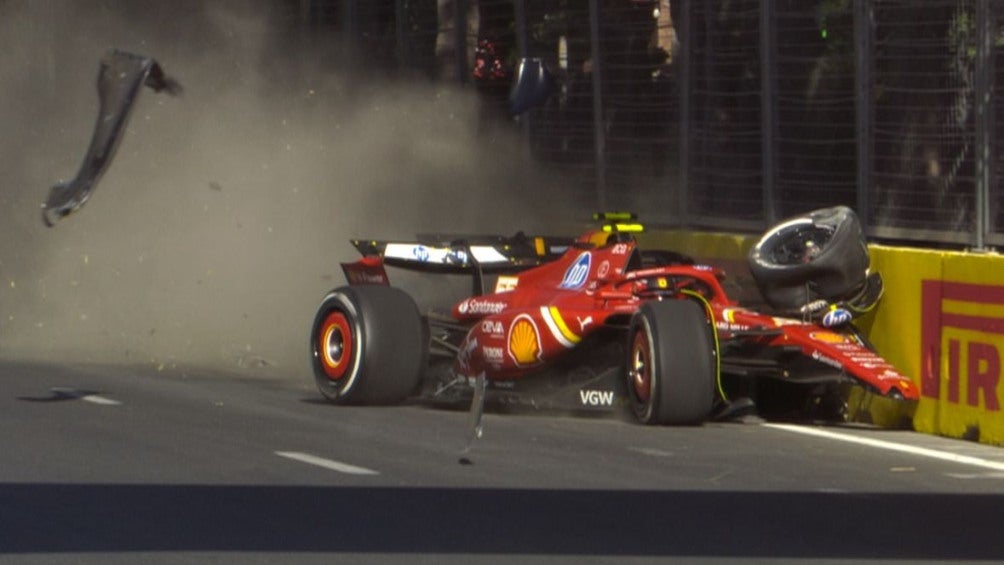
x: 523, y: 49
x: 683, y: 35
x: 599, y: 133
x: 768, y: 109
x: 863, y: 29
x: 983, y: 86
x: 522, y: 28
x: 350, y: 30
x: 401, y: 33
x: 460, y: 39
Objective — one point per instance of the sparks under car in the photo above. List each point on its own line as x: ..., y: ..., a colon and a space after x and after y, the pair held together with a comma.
x: 597, y: 323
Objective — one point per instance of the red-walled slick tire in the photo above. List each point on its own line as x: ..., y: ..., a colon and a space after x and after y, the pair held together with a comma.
x: 368, y: 345
x: 671, y: 366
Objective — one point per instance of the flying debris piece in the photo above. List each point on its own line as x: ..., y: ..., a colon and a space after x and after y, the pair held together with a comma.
x: 120, y: 77
x: 475, y: 418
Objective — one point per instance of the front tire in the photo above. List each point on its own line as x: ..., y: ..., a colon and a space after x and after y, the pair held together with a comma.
x: 368, y: 345
x: 671, y: 366
x: 819, y: 255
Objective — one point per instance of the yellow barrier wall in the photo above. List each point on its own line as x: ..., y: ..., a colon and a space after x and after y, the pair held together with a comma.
x: 941, y: 321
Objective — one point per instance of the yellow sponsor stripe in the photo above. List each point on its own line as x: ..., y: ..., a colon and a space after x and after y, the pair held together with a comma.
x: 560, y: 330
x: 565, y: 330
x: 624, y: 228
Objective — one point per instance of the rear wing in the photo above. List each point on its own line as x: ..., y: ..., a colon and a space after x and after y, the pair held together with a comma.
x: 474, y: 255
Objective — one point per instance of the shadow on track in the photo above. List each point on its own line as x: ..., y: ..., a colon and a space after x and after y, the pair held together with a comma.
x: 54, y: 518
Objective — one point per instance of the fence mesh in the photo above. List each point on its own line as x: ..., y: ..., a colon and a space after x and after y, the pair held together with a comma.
x: 995, y: 192
x: 924, y: 115
x: 724, y: 177
x: 816, y: 138
x: 732, y: 113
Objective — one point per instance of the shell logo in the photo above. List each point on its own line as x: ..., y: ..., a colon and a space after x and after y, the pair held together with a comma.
x: 524, y: 341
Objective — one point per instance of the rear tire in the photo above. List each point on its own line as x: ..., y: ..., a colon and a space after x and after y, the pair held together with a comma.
x: 368, y: 345
x: 671, y: 365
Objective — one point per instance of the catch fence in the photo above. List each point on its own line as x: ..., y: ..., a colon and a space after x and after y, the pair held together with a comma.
x: 733, y: 114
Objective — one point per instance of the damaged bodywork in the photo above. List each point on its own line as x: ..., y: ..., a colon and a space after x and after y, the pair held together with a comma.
x: 120, y: 77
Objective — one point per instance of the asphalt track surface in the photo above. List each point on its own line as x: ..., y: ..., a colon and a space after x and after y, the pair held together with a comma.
x: 117, y: 464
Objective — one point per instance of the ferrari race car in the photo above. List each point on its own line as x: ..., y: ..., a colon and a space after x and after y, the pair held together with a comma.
x: 598, y: 323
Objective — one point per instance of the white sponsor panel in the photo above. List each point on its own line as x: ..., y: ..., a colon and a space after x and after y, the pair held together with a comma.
x: 506, y: 284
x: 442, y: 255
x: 488, y: 254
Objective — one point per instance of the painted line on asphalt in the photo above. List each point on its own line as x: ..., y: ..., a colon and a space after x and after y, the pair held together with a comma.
x: 892, y: 446
x: 976, y: 476
x: 651, y: 451
x: 326, y: 463
x: 85, y: 396
x: 95, y: 399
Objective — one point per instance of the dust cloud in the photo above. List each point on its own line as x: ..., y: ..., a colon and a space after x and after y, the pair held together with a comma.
x: 221, y: 221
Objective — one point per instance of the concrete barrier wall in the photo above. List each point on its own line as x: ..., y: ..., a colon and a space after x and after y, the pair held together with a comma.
x: 941, y: 321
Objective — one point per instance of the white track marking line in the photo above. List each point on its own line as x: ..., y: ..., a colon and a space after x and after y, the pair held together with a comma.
x: 891, y: 446
x: 976, y: 476
x: 81, y: 395
x: 100, y: 400
x: 651, y: 451
x: 326, y: 463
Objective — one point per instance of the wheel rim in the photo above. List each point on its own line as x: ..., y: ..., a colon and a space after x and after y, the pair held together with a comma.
x: 641, y: 367
x: 334, y: 346
x: 801, y: 244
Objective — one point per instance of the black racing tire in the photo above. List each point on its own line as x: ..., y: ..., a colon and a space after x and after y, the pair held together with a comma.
x: 671, y: 365
x: 819, y: 255
x: 368, y: 345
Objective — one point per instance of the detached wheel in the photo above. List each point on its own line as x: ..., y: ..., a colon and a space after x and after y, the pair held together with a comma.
x: 820, y: 255
x: 671, y: 366
x: 368, y: 345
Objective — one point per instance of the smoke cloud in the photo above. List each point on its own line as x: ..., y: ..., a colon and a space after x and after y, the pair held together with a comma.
x: 220, y: 223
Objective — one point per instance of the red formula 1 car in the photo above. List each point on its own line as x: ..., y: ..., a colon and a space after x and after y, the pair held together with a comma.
x: 596, y: 323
